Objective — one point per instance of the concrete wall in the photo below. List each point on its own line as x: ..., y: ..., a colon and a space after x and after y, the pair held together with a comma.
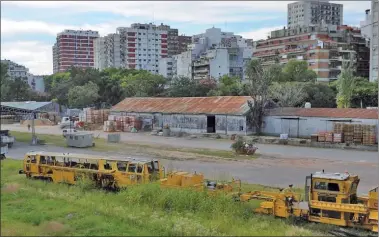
x: 190, y: 123
x: 305, y: 126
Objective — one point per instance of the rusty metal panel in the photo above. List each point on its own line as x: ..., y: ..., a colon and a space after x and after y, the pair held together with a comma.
x: 236, y: 105
x: 327, y: 112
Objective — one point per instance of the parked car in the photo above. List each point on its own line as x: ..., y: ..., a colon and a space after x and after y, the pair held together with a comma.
x: 68, y: 131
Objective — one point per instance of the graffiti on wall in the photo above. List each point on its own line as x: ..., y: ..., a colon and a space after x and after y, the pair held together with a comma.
x: 234, y: 123
x: 185, y: 121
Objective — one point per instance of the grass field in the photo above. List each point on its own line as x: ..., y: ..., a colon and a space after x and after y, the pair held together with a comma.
x: 33, y: 207
x: 137, y: 149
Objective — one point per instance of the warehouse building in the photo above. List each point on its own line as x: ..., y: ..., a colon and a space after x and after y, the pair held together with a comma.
x: 219, y: 114
x: 303, y: 122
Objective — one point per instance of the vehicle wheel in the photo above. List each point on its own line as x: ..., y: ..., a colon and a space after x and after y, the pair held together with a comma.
x: 2, y: 157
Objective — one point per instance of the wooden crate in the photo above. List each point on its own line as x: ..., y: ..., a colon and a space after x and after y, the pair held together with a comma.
x: 337, y: 137
x: 338, y: 127
x: 329, y: 137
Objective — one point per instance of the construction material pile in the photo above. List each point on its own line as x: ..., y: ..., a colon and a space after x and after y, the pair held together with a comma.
x: 117, y: 123
x: 349, y: 133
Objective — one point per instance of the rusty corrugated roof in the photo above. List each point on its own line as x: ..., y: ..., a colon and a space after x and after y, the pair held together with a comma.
x: 185, y: 105
x: 327, y: 112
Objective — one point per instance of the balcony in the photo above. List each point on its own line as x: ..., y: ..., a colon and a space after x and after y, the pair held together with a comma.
x: 201, y: 71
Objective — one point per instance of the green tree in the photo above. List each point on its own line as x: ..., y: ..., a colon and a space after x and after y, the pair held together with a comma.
x: 20, y: 88
x: 320, y: 95
x: 82, y: 96
x: 297, y: 70
x: 288, y: 94
x: 5, y: 83
x: 182, y: 87
x: 365, y: 93
x: 227, y: 86
x: 259, y: 80
x: 345, y: 85
x: 143, y: 84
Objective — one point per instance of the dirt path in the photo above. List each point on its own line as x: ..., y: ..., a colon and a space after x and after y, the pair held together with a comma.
x: 278, y: 151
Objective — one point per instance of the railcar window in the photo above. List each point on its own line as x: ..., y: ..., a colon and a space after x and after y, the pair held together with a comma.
x: 150, y: 167
x: 132, y: 168
x: 139, y: 168
x: 121, y: 166
x: 42, y: 160
x: 333, y: 187
x: 33, y: 160
x: 94, y: 167
x: 107, y: 166
x: 320, y: 185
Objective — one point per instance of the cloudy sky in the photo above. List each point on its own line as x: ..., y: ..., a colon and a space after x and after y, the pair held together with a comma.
x: 28, y: 29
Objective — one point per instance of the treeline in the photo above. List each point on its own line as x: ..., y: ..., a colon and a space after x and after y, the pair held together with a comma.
x: 291, y: 85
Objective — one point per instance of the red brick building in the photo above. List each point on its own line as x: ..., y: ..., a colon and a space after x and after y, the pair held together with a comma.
x: 74, y: 48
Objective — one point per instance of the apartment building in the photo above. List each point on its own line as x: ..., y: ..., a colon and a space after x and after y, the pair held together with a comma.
x: 74, y: 48
x: 370, y: 30
x: 139, y: 46
x: 324, y: 48
x: 210, y: 55
x: 15, y: 70
x: 175, y: 44
x: 308, y: 13
x: 107, y: 52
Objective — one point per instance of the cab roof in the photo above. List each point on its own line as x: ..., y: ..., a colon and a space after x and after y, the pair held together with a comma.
x: 86, y: 156
x: 334, y: 176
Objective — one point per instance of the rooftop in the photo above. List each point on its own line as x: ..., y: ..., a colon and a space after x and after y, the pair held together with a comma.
x: 25, y: 105
x: 233, y: 105
x: 335, y: 176
x: 326, y: 112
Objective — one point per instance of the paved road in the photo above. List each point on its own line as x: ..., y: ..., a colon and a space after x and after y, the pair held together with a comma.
x: 265, y: 149
x: 266, y: 171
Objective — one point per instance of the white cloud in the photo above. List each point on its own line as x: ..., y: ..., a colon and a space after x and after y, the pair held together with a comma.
x: 194, y: 12
x: 260, y: 33
x: 34, y: 55
x: 11, y: 27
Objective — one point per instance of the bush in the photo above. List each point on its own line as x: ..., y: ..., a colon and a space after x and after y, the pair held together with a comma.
x: 238, y: 145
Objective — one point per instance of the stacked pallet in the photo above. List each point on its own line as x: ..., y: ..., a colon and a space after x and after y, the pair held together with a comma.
x: 321, y: 136
x: 329, y: 137
x: 96, y: 116
x: 337, y: 138
x: 124, y: 123
x: 357, y: 133
x: 109, y: 126
x: 338, y: 127
x: 348, y: 132
x: 368, y: 135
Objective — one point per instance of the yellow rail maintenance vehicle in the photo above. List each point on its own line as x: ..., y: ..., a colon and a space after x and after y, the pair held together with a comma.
x: 196, y: 181
x: 330, y: 198
x: 107, y: 173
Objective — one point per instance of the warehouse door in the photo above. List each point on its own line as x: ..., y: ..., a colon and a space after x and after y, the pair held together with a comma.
x: 211, y: 124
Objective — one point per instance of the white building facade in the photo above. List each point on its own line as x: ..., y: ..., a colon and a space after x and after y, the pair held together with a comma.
x: 16, y: 70
x: 212, y: 54
x: 107, y: 52
x: 306, y: 13
x: 370, y: 30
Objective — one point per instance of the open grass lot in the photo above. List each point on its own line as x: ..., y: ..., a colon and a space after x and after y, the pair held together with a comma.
x: 138, y: 149
x: 33, y: 207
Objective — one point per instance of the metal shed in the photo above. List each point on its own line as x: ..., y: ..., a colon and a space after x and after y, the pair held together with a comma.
x: 80, y: 139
